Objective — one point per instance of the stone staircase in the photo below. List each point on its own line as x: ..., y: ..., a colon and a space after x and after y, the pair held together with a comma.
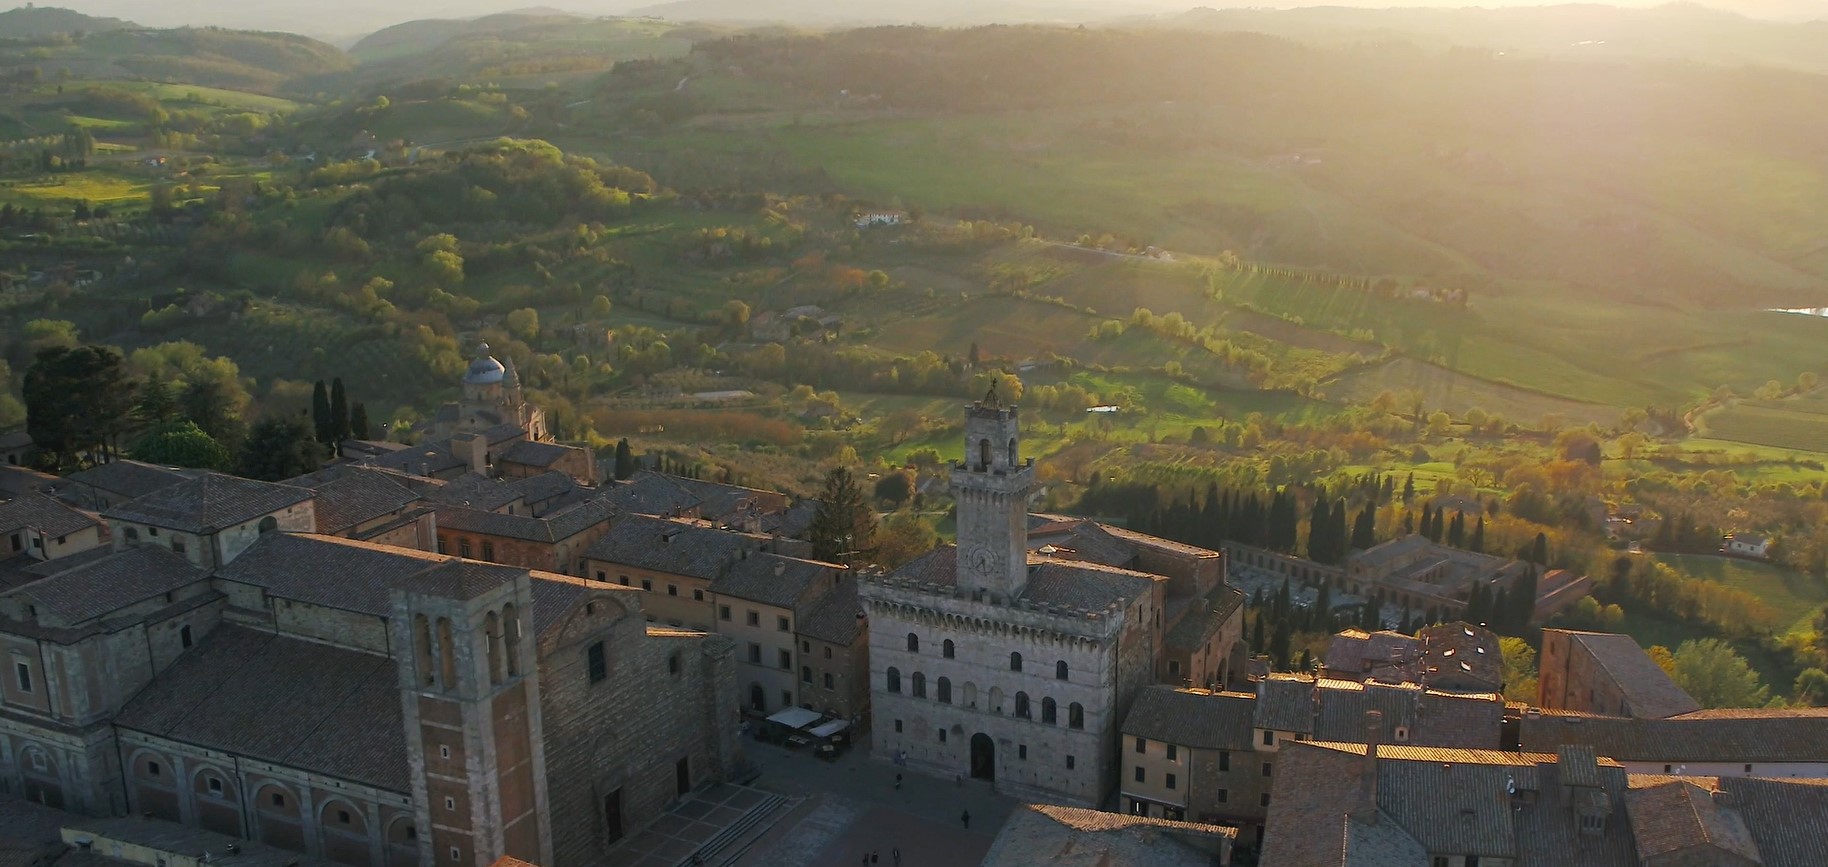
x: 736, y: 838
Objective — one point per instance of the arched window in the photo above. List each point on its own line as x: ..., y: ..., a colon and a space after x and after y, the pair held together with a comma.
x: 946, y: 649
x: 913, y: 643
x: 970, y: 694
x: 920, y: 685
x: 945, y: 690
x: 894, y: 679
x: 1075, y: 716
x: 268, y: 524
x: 422, y: 650
x: 983, y: 454
x: 1015, y: 662
x: 1012, y: 451
x: 447, y: 653
x: 806, y: 674
x: 1060, y: 670
x: 1022, y: 705
x: 510, y: 635
x: 1048, y: 714
x: 492, y: 631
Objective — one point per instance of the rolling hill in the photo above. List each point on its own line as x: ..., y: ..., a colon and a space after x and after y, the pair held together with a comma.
x: 33, y: 22
x: 210, y: 57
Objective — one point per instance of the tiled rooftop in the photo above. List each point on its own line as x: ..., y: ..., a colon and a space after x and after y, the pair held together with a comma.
x: 1645, y: 685
x: 208, y: 503
x: 1746, y: 735
x: 43, y: 514
x: 99, y: 587
x: 297, y: 703
x: 673, y: 546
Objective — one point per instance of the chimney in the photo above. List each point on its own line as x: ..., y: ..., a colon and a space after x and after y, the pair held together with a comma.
x: 1366, y: 811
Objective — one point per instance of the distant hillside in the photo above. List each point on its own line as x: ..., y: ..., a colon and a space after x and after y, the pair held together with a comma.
x: 33, y: 22
x: 211, y: 57
x: 825, y: 12
x: 1682, y: 31
x: 496, y: 47
x: 419, y: 37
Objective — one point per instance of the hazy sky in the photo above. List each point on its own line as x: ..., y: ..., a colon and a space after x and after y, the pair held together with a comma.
x: 343, y: 20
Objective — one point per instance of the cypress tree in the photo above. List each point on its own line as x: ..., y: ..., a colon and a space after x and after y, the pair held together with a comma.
x: 1500, y: 618
x: 1456, y: 530
x: 625, y: 460
x: 1408, y: 523
x: 1477, y: 545
x: 1409, y: 489
x: 1540, y: 553
x: 320, y: 412
x: 1282, y: 602
x: 339, y: 412
x: 358, y: 421
x: 1364, y: 531
x: 1427, y: 518
x: 1524, y: 600
x: 1320, y: 549
x: 1341, y: 541
x: 1279, y: 644
x: 1323, y: 606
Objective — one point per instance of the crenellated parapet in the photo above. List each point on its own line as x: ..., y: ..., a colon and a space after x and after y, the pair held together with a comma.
x: 912, y: 601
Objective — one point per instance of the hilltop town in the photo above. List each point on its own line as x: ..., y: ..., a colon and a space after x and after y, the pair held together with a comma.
x: 488, y: 649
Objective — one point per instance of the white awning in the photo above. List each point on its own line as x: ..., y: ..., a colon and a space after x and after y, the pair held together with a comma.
x: 828, y: 729
x: 796, y: 717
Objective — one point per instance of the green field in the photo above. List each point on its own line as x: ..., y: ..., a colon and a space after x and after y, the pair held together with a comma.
x: 1794, y: 598
x: 93, y: 185
x: 1771, y: 424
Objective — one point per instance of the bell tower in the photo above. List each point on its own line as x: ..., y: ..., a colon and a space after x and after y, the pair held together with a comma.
x: 991, y: 486
x: 469, y: 686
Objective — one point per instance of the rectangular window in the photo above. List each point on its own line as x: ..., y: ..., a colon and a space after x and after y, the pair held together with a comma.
x: 1022, y: 752
x: 215, y: 785
x: 184, y: 636
x: 456, y: 854
x: 898, y: 726
x: 622, y: 579
x: 23, y: 673
x: 786, y: 698
x: 599, y: 664
x: 754, y: 618
x: 698, y: 595
x: 1266, y: 769
x: 1223, y: 796
x: 1139, y: 773
x: 463, y: 547
x: 1269, y: 739
x: 1172, y: 750
x: 828, y: 681
x: 942, y: 736
x: 488, y: 550
x: 780, y: 624
x: 602, y: 576
x: 827, y: 653
x: 755, y: 653
x: 723, y: 612
x: 279, y: 800
x: 1069, y: 763
x: 647, y: 584
x: 444, y: 752
x: 1224, y: 760
x: 1263, y: 800
x: 672, y: 589
x: 1170, y: 781
x: 1142, y: 746
x: 1748, y: 769
x: 177, y: 546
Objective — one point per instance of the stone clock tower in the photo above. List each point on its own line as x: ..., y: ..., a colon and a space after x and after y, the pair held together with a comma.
x: 991, y: 486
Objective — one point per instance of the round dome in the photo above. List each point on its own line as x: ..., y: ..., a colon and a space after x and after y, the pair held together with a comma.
x: 484, y: 371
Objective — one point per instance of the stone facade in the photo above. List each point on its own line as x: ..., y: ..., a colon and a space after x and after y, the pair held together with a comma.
x: 1603, y: 673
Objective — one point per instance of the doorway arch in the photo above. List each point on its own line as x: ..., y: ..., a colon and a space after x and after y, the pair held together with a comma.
x: 983, y: 757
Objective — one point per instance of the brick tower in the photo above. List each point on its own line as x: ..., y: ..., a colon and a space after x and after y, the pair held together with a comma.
x: 991, y: 486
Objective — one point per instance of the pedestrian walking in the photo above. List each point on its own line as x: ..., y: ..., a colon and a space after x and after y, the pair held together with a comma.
x: 897, y: 782
x: 895, y: 856
x: 872, y: 857
x: 965, y: 817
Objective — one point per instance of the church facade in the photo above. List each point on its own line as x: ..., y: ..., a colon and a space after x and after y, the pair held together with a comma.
x: 995, y: 662
x: 491, y: 397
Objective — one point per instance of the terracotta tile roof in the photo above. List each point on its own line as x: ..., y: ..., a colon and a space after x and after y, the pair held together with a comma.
x: 1084, y: 540
x: 771, y: 579
x: 1084, y: 586
x: 1286, y: 703
x: 1462, y: 655
x: 1647, y: 688
x: 1204, y: 620
x: 459, y: 579
x: 128, y: 478
x: 534, y: 454
x: 357, y: 497
x: 1355, y: 651
x: 938, y: 566
x: 554, y: 526
x: 327, y: 570
x: 1193, y: 718
x: 421, y: 460
x: 1072, y: 837
x: 97, y: 588
x: 297, y: 703
x: 718, y: 501
x: 161, y: 836
x: 837, y: 617
x: 652, y: 494
x: 1679, y: 815
x: 1788, y: 818
x: 43, y: 514
x: 1752, y: 735
x: 475, y: 491
x: 208, y: 503
x: 673, y: 546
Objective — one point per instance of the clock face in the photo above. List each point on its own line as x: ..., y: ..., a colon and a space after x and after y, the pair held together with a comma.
x: 981, y: 560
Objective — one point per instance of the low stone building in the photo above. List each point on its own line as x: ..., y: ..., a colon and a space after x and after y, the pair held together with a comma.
x: 1605, y: 673
x: 556, y: 541
x: 675, y: 560
x: 35, y: 527
x: 360, y: 703
x: 1726, y: 742
x: 1211, y: 756
x: 835, y: 643
x: 212, y: 518
x: 1074, y: 837
x: 107, y: 485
